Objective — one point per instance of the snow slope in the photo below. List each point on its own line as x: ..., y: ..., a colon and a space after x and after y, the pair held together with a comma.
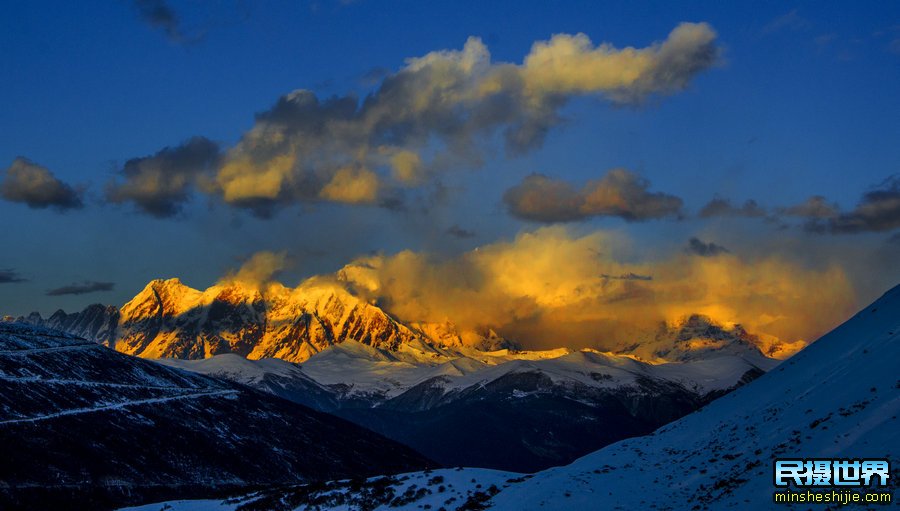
x: 839, y: 397
x: 85, y: 427
x: 533, y: 410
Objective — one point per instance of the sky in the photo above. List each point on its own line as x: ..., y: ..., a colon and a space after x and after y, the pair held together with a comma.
x: 522, y: 164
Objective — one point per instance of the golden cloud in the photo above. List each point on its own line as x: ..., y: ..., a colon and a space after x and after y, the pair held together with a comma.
x: 549, y: 287
x: 258, y: 270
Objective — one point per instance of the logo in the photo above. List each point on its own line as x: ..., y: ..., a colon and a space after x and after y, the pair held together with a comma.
x: 848, y: 481
x: 831, y: 472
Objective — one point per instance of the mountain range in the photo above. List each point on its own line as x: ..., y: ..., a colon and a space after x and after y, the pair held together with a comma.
x: 169, y: 319
x: 460, y: 398
x: 521, y: 411
x: 837, y: 398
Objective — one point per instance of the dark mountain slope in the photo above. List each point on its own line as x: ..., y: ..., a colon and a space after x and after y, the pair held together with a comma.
x: 84, y: 427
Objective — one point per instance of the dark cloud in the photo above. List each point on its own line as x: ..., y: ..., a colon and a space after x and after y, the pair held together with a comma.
x: 34, y: 185
x: 159, y: 15
x: 626, y: 276
x: 619, y: 193
x: 159, y: 185
x: 877, y: 211
x: 458, y: 232
x: 816, y: 207
x: 440, y: 111
x: 10, y: 276
x: 81, y: 288
x: 703, y: 249
x: 723, y: 207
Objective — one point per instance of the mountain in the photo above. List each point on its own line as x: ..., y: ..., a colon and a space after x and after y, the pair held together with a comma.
x: 96, y: 322
x: 837, y: 398
x: 85, y: 427
x: 521, y: 411
x: 420, y: 382
x: 696, y: 337
x: 169, y: 319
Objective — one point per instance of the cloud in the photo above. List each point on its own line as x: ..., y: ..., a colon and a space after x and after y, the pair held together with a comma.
x: 259, y: 269
x: 10, y: 276
x: 877, y: 211
x: 34, y: 185
x: 81, y: 288
x: 816, y: 207
x: 619, y: 193
x: 160, y: 184
x: 703, y: 249
x: 724, y: 207
x: 159, y: 15
x: 352, y: 185
x: 458, y: 232
x: 626, y: 276
x: 550, y: 287
x: 442, y: 110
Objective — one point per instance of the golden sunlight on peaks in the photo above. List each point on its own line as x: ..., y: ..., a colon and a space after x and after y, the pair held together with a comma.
x: 772, y: 297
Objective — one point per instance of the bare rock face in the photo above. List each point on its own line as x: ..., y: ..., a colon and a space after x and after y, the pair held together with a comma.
x: 96, y: 322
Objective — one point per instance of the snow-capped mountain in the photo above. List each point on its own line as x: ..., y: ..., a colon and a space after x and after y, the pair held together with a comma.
x: 838, y: 398
x: 533, y: 409
x: 172, y: 320
x: 96, y: 322
x: 697, y: 337
x: 169, y: 319
x: 84, y: 427
x: 414, y: 381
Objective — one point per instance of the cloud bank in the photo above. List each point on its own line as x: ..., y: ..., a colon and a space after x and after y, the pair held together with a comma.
x: 877, y: 211
x: 619, y: 193
x: 10, y: 276
x: 723, y: 207
x: 31, y: 184
x: 549, y: 288
x: 160, y: 184
x: 439, y: 111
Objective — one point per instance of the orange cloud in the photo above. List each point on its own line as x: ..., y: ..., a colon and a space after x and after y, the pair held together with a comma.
x: 550, y: 288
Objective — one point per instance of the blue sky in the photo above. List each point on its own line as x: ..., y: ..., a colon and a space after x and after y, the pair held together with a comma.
x: 801, y: 101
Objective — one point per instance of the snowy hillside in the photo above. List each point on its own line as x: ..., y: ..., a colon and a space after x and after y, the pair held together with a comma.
x: 534, y: 409
x: 839, y: 397
x: 83, y: 425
